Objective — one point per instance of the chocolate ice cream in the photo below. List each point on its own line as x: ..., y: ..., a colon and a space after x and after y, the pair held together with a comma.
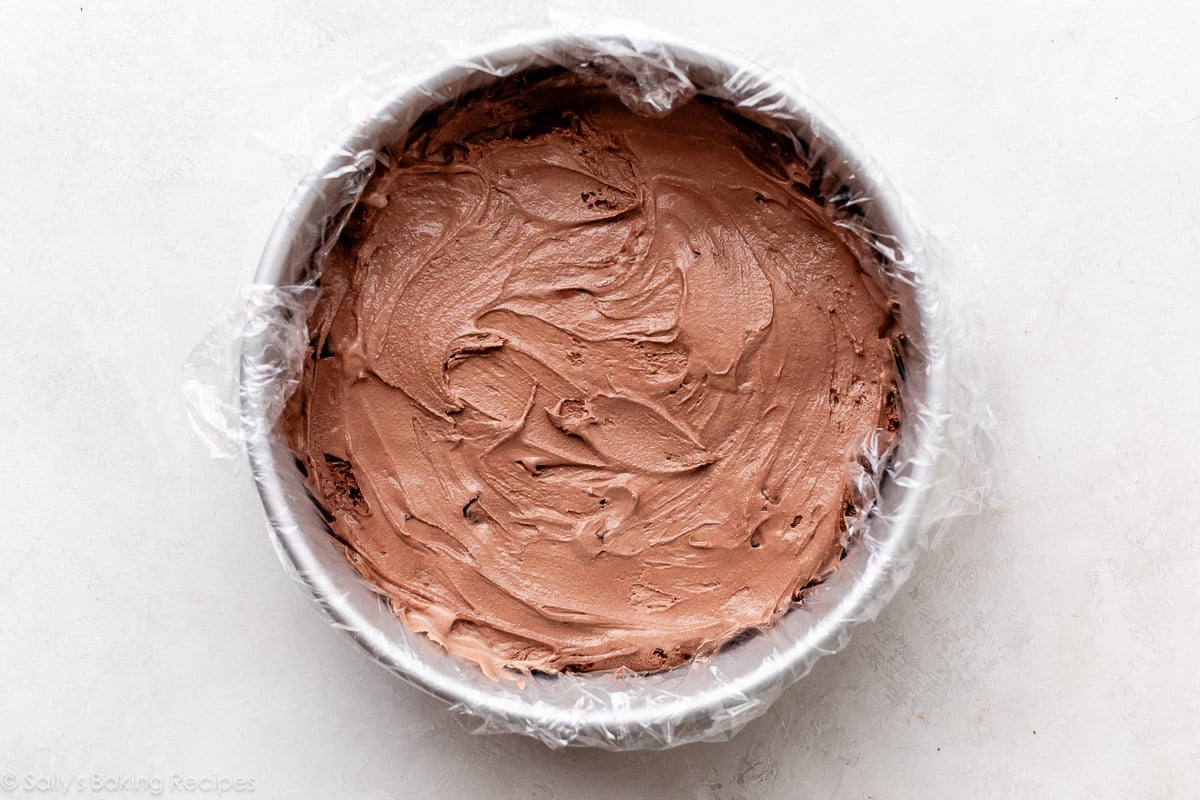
x: 584, y: 385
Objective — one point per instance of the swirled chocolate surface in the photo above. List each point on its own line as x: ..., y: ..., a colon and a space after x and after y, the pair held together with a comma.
x: 584, y: 385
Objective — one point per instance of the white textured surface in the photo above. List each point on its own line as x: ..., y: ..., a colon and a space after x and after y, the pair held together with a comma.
x: 1046, y: 652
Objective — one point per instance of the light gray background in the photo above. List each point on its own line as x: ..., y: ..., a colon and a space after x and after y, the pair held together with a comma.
x: 1048, y: 651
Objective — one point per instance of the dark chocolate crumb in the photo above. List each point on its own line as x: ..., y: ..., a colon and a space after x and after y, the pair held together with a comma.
x: 473, y: 512
x: 892, y: 411
x: 344, y: 492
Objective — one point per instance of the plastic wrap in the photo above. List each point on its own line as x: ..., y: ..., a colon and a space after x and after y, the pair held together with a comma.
x: 239, y: 379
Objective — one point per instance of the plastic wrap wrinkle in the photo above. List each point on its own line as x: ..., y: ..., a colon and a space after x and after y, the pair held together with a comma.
x: 241, y: 377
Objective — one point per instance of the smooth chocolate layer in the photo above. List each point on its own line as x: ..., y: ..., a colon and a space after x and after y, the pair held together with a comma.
x: 584, y: 385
